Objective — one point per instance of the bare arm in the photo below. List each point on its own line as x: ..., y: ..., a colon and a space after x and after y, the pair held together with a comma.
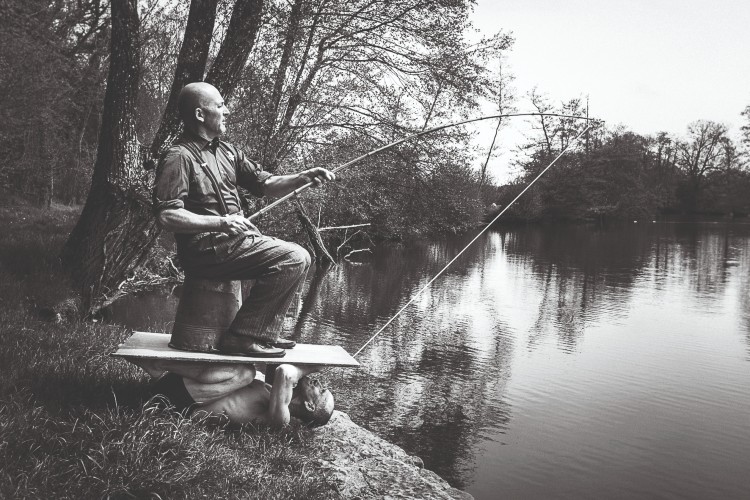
x: 280, y: 185
x: 180, y: 220
x: 284, y: 381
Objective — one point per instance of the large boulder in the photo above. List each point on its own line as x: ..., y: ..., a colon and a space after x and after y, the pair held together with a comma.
x: 359, y: 464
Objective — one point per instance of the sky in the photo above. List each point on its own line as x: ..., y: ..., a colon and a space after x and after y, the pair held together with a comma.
x: 649, y: 65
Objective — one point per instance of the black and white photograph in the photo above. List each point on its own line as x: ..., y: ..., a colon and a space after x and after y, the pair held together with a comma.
x: 375, y: 249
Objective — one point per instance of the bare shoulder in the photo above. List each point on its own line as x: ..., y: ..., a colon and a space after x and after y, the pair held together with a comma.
x: 260, y: 387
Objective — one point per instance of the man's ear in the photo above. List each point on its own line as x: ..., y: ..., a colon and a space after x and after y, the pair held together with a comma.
x: 310, y: 406
x: 199, y: 115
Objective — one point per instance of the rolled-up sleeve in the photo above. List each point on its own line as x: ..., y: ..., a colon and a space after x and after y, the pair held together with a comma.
x: 172, y: 181
x: 250, y: 175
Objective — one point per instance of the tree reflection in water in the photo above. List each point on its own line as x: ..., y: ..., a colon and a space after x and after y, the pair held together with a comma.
x: 434, y: 381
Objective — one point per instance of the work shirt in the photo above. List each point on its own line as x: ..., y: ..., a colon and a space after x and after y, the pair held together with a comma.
x: 202, y: 176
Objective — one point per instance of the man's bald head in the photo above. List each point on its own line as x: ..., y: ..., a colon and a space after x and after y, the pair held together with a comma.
x: 202, y: 109
x: 193, y: 96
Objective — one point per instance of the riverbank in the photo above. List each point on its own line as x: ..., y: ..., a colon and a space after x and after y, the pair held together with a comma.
x: 76, y: 423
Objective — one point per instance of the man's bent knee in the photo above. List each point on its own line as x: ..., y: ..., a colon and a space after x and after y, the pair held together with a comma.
x: 216, y: 383
x: 295, y: 262
x: 299, y: 256
x: 232, y: 374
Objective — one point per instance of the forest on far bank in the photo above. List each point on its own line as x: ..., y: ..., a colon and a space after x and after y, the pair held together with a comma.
x: 617, y: 174
x: 89, y: 90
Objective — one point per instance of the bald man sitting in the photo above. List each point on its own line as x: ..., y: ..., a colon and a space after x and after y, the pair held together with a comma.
x: 233, y: 391
x: 196, y: 197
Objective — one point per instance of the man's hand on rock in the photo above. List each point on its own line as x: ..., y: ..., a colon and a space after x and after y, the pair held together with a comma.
x: 318, y: 176
x: 236, y: 224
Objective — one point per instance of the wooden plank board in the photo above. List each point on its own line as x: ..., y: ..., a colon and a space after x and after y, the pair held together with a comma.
x: 151, y: 345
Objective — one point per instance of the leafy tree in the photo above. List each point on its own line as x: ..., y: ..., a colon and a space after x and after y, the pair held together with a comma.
x: 727, y: 193
x: 300, y: 75
x: 629, y: 176
x: 116, y: 228
x: 372, y: 69
x: 614, y: 174
x: 707, y: 150
x: 745, y: 138
x: 50, y: 82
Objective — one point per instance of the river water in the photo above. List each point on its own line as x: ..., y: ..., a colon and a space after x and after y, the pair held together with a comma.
x: 549, y: 361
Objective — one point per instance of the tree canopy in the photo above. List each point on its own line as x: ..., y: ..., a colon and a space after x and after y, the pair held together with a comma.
x: 91, y: 87
x: 616, y: 173
x: 310, y: 82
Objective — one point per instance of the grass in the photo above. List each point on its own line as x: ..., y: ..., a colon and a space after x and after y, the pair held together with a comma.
x: 76, y: 423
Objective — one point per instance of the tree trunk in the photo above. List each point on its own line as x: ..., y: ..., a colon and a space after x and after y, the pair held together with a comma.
x: 117, y: 229
x: 319, y: 248
x: 100, y: 251
x: 191, y: 64
x: 483, y: 171
x: 48, y: 191
x: 272, y: 109
x: 243, y: 27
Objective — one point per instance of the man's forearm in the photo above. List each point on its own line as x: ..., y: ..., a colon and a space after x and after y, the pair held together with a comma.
x: 179, y: 220
x: 280, y: 185
x: 277, y: 186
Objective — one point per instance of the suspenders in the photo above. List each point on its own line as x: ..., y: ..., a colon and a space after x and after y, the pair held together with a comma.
x: 215, y: 183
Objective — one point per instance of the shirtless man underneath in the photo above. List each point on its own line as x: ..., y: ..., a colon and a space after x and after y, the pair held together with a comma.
x: 233, y: 391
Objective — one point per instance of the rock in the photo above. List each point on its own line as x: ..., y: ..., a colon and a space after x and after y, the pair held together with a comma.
x: 359, y: 464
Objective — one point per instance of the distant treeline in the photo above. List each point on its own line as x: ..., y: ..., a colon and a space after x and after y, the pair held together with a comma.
x: 618, y: 174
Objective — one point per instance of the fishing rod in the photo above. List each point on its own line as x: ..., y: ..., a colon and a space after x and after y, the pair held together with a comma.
x: 348, y: 164
x: 486, y: 227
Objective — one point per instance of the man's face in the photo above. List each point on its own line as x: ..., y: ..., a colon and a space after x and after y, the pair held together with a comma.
x: 310, y: 390
x: 214, y: 112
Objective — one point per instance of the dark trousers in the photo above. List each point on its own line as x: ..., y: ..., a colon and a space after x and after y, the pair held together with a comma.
x: 278, y: 268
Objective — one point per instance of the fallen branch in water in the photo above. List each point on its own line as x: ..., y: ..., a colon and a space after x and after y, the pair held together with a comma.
x: 321, y: 253
x: 353, y: 252
x: 347, y: 239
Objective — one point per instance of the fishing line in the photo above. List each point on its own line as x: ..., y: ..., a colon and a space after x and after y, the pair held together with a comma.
x: 575, y: 139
